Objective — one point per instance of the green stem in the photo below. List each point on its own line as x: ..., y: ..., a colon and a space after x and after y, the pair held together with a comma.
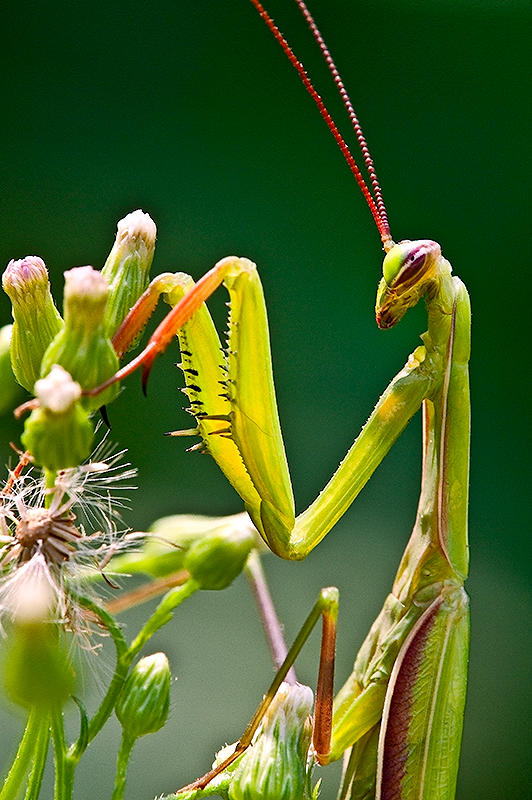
x: 121, y: 669
x: 161, y: 615
x: 39, y: 763
x: 50, y: 476
x: 124, y: 657
x: 26, y: 751
x: 64, y: 768
x: 78, y: 747
x: 126, y: 746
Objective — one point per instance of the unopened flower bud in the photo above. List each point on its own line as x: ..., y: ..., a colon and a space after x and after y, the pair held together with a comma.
x: 82, y: 347
x: 37, y: 320
x: 170, y: 538
x: 144, y: 702
x: 215, y: 559
x: 37, y: 671
x: 59, y: 432
x: 10, y: 390
x: 128, y: 265
x: 275, y: 766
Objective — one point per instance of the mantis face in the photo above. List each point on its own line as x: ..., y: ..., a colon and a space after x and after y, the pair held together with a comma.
x: 408, y: 269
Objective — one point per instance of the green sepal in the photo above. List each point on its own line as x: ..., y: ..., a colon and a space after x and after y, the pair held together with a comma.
x: 127, y: 267
x: 59, y: 433
x: 143, y: 704
x: 165, y: 546
x: 37, y: 670
x: 219, y: 786
x: 82, y: 347
x: 276, y: 766
x: 215, y: 787
x: 11, y: 392
x: 215, y: 560
x: 36, y: 319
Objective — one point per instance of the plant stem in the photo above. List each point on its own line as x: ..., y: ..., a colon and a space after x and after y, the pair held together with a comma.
x: 40, y: 753
x: 126, y: 746
x: 37, y: 720
x: 125, y: 656
x: 162, y: 615
x: 64, y: 767
x: 49, y: 476
x: 122, y: 665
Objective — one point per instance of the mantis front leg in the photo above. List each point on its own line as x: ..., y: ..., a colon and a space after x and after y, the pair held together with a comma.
x: 232, y: 397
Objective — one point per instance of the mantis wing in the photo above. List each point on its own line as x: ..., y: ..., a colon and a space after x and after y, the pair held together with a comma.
x: 421, y: 727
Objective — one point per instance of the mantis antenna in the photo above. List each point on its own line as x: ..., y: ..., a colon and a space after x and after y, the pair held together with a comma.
x: 374, y: 201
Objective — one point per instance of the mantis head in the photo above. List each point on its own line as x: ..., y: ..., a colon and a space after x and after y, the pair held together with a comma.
x: 408, y: 270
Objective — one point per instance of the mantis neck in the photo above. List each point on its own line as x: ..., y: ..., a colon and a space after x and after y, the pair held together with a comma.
x: 438, y: 549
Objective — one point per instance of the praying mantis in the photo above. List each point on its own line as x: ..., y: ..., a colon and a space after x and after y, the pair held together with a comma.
x: 399, y: 714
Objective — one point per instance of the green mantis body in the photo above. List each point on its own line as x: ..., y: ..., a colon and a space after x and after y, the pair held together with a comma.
x: 401, y: 709
x: 399, y: 714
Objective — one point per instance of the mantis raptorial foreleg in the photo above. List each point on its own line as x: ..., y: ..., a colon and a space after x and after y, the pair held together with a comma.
x: 244, y: 410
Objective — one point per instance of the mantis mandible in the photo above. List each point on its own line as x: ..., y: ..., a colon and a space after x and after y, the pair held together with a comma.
x: 399, y: 715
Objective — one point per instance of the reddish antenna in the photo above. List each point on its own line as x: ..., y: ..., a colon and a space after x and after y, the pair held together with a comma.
x: 374, y: 201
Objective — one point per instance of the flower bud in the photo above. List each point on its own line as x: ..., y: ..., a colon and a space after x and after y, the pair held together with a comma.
x: 275, y: 766
x: 59, y: 432
x: 37, y: 671
x: 10, y: 390
x: 128, y: 265
x: 215, y: 559
x: 37, y: 320
x: 165, y: 546
x: 82, y: 347
x: 143, y: 704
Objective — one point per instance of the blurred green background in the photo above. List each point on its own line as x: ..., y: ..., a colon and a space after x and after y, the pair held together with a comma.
x: 189, y: 111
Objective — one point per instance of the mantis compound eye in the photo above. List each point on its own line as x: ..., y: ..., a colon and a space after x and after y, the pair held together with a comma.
x: 408, y: 261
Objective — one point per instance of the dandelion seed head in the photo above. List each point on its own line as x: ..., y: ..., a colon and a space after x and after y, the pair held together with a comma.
x: 53, y: 540
x: 31, y: 594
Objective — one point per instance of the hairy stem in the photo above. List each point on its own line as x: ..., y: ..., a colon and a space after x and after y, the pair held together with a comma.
x: 37, y: 721
x: 121, y: 669
x: 41, y: 744
x: 126, y: 746
x: 64, y: 768
x: 161, y: 615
